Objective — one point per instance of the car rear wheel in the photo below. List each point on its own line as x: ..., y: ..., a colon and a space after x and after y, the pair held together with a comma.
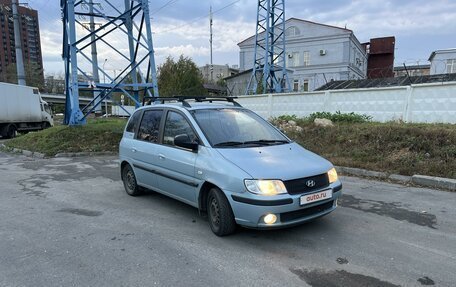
x: 129, y: 180
x: 221, y: 218
x: 11, y: 131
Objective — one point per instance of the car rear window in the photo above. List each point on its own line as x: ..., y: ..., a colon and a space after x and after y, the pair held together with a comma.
x: 150, y: 124
x: 133, y: 123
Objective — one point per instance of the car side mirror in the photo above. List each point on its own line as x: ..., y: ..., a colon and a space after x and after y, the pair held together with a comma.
x: 184, y: 141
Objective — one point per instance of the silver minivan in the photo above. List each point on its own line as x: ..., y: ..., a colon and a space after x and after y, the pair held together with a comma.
x: 226, y: 161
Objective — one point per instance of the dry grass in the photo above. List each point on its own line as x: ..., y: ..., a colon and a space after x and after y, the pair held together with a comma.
x: 405, y: 149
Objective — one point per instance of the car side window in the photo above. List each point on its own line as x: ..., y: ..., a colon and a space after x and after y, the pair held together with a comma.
x: 134, y: 122
x: 149, y: 127
x: 176, y: 125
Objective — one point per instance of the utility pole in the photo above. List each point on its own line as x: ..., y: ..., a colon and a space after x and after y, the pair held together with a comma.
x: 131, y: 46
x: 131, y: 22
x: 210, y: 41
x: 18, y: 44
x: 269, y: 70
x: 95, y: 75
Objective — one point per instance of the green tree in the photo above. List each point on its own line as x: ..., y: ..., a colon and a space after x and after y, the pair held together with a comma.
x: 33, y: 75
x: 181, y: 78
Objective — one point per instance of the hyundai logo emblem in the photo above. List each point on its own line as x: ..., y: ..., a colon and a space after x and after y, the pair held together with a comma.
x: 310, y: 183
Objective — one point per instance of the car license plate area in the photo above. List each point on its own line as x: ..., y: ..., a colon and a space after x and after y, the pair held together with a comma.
x: 315, y: 197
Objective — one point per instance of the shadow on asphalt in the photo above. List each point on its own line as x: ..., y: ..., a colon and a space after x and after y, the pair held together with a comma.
x: 320, y: 225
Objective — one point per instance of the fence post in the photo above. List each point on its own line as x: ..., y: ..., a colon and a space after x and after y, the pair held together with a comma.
x: 326, y: 101
x: 406, y: 116
x: 270, y: 106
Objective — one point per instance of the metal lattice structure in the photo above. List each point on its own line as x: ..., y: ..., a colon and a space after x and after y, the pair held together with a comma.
x: 122, y: 35
x: 269, y: 69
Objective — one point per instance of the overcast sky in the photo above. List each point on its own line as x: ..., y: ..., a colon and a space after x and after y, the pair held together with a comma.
x: 181, y: 27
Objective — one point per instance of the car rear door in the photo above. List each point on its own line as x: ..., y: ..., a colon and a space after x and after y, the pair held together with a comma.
x: 144, y: 148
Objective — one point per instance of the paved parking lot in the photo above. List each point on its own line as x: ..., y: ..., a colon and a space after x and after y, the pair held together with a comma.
x: 68, y: 222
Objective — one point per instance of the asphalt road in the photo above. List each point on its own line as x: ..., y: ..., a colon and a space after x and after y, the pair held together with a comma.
x: 68, y: 222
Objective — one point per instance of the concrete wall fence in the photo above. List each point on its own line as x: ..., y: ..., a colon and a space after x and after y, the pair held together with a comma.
x: 421, y: 103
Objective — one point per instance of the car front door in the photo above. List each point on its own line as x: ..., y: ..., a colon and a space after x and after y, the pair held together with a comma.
x: 176, y: 172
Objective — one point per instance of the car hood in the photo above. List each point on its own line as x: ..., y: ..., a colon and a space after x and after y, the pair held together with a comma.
x: 285, y: 162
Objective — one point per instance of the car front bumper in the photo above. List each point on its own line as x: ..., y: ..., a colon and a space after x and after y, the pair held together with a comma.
x: 250, y: 209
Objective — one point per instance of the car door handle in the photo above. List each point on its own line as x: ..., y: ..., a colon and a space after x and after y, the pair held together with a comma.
x: 134, y: 150
x: 160, y: 156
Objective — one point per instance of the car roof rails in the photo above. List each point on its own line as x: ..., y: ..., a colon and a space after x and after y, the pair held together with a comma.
x: 183, y: 100
x: 162, y: 100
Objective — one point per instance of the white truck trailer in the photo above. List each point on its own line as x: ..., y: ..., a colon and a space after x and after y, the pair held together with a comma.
x: 22, y: 110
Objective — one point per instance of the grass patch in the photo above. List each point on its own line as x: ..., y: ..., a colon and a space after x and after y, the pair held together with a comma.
x: 399, y: 148
x: 97, y: 136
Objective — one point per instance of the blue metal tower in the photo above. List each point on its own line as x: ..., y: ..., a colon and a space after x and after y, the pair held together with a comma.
x: 269, y: 67
x: 123, y: 37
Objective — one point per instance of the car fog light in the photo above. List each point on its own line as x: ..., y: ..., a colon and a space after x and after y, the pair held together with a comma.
x: 270, y: 218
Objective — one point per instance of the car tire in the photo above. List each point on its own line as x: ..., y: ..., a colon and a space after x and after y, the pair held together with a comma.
x: 129, y: 181
x: 11, y: 131
x: 220, y: 215
x: 45, y: 125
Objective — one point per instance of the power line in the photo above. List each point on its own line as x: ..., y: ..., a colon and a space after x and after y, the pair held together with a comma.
x: 170, y: 2
x: 198, y: 18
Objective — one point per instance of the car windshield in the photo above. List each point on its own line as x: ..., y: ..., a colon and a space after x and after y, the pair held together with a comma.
x: 236, y: 128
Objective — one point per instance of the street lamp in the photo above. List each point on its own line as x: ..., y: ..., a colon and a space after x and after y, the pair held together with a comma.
x: 104, y: 73
x: 104, y: 82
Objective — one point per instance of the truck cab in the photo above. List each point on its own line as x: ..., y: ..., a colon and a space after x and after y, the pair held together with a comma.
x: 46, y: 114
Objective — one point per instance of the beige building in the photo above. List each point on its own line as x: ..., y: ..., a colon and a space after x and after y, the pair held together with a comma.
x: 218, y: 72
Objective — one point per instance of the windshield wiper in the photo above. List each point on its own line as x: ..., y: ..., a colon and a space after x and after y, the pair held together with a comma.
x: 266, y: 142
x: 256, y: 142
x: 232, y: 143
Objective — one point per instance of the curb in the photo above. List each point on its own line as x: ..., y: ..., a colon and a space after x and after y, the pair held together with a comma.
x: 82, y: 154
x: 23, y: 152
x: 432, y: 181
x: 362, y: 172
x: 421, y: 180
x: 59, y: 155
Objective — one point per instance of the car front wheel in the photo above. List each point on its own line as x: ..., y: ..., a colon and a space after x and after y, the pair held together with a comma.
x: 220, y: 215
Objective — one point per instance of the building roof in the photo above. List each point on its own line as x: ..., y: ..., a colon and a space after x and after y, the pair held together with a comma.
x: 214, y: 88
x: 387, y: 82
x: 249, y: 71
x: 449, y: 50
x: 412, y: 67
x: 301, y: 20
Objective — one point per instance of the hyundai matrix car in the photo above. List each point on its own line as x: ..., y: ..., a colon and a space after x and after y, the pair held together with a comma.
x: 226, y: 161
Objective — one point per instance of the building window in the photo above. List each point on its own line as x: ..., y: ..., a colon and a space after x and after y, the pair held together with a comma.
x: 306, y: 58
x: 451, y: 66
x: 292, y: 32
x: 305, y: 86
x: 293, y: 59
x: 295, y: 85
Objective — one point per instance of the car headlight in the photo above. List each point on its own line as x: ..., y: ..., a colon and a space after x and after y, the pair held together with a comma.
x: 332, y: 175
x: 265, y: 187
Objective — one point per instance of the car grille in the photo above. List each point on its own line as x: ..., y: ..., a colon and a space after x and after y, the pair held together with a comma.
x: 299, y: 186
x: 297, y: 214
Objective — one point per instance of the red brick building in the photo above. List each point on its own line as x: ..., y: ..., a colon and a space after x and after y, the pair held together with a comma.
x: 30, y: 36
